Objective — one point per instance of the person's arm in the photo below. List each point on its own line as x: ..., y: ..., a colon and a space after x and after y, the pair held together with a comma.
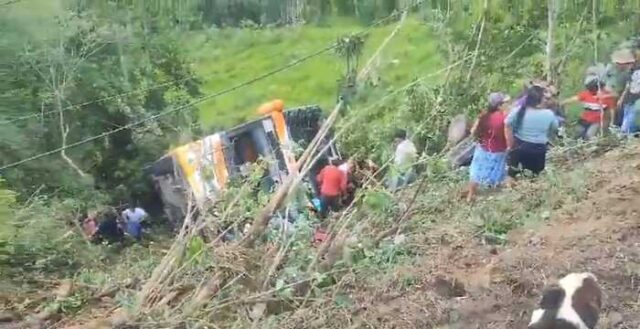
x: 570, y: 100
x: 474, y: 127
x: 343, y: 184
x: 508, y: 134
x: 508, y: 129
x: 622, y: 96
x: 320, y: 176
x: 555, y: 123
x: 145, y: 215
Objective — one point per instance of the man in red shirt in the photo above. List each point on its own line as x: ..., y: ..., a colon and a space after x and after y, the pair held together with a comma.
x: 596, y: 103
x: 333, y: 183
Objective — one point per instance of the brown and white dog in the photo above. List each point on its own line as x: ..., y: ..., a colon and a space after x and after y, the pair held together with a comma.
x: 574, y: 303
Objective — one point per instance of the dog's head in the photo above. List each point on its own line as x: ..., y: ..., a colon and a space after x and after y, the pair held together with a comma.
x: 573, y: 303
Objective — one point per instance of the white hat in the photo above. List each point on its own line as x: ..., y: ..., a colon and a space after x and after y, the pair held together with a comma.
x: 590, y: 78
x: 623, y: 56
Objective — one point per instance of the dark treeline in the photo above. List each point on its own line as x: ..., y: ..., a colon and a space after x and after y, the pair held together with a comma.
x: 222, y: 13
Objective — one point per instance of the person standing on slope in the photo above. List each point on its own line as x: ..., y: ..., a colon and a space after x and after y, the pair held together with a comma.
x: 404, y: 159
x: 618, y: 79
x: 527, y: 131
x: 631, y: 105
x: 488, y: 167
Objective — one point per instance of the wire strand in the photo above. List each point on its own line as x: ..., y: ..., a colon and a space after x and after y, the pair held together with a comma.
x: 161, y: 114
x: 10, y: 2
x: 106, y: 98
x: 202, y: 99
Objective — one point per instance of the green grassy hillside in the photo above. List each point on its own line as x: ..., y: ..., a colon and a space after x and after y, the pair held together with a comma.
x: 226, y: 57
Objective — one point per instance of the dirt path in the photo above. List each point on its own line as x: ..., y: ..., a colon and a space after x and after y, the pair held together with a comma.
x: 477, y: 286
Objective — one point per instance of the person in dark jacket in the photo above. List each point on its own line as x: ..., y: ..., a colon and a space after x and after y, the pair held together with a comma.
x: 109, y: 229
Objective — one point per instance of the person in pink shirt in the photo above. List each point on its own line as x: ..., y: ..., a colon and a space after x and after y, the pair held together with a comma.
x: 90, y: 225
x: 488, y: 167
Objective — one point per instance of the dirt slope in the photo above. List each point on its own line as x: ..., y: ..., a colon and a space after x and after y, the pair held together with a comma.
x: 469, y: 285
x: 458, y: 282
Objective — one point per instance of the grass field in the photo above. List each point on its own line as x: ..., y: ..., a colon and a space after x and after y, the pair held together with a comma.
x: 224, y: 58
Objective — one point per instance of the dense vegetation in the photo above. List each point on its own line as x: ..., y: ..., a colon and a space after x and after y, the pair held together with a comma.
x: 136, y: 71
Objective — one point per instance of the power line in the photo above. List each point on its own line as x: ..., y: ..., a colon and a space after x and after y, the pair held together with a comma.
x: 106, y: 98
x: 10, y: 2
x: 161, y: 114
x: 200, y: 100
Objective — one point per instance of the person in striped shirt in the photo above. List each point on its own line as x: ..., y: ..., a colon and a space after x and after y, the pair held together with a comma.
x: 596, y: 102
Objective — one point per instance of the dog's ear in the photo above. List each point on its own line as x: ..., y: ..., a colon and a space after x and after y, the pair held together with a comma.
x: 587, y: 302
x: 552, y: 297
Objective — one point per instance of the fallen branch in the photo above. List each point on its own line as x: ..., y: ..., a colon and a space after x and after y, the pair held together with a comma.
x: 367, y: 68
x: 475, y: 56
x: 406, y: 214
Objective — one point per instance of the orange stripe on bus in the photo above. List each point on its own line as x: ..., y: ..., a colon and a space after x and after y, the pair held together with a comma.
x: 280, y: 125
x: 220, y: 166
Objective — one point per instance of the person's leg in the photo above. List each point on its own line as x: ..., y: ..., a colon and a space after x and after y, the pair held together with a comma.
x: 581, y: 129
x: 400, y: 181
x: 393, y: 181
x: 592, y: 131
x: 324, y: 206
x: 472, y: 191
x: 618, y: 116
x: 476, y: 172
x: 410, y: 177
x: 527, y: 158
x: 513, y: 162
x: 538, y: 159
x: 334, y: 203
x: 628, y: 119
x: 534, y: 158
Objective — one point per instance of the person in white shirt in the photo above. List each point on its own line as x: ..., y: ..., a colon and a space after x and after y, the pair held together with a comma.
x: 405, y: 157
x: 133, y: 217
x: 347, y: 168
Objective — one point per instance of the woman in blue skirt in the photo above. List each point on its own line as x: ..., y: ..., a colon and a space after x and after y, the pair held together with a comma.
x: 488, y: 167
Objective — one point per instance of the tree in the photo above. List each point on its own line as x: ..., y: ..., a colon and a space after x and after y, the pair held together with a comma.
x: 102, y: 71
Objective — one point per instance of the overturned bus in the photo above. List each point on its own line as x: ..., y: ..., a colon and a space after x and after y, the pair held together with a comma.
x: 201, y: 169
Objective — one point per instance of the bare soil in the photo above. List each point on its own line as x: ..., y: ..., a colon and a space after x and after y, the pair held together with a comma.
x: 460, y: 282
x: 465, y: 284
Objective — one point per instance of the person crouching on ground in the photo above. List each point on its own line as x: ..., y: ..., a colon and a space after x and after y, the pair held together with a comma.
x: 133, y: 217
x: 333, y: 184
x: 488, y: 166
x: 527, y: 130
x: 108, y: 229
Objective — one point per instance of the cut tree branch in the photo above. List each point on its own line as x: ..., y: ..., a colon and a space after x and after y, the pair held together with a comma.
x: 364, y: 73
x: 475, y: 56
x: 64, y: 131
